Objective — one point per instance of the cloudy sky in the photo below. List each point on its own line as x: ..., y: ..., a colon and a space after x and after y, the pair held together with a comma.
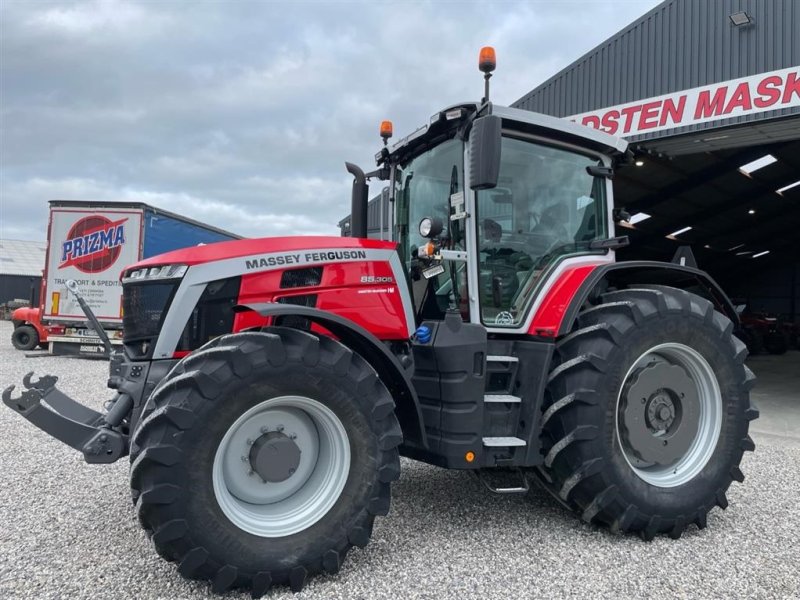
x: 241, y: 114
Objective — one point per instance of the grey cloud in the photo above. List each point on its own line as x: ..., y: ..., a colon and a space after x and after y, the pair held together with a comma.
x: 242, y: 114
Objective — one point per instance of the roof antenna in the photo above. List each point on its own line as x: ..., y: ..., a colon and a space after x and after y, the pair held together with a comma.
x: 486, y: 63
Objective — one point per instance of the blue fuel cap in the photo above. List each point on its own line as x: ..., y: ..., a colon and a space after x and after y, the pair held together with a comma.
x: 423, y: 334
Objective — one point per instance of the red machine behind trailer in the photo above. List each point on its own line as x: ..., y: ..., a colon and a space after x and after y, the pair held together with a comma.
x: 267, y: 388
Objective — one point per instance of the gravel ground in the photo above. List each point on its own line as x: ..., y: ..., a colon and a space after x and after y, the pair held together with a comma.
x: 68, y: 530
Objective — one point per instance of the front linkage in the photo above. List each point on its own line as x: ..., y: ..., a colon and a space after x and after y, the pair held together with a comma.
x: 98, y: 436
x: 102, y: 438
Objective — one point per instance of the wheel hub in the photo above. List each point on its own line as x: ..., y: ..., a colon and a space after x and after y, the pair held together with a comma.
x: 281, y: 466
x: 661, y: 415
x: 274, y: 457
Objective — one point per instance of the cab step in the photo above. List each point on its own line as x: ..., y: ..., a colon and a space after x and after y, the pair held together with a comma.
x: 501, y: 398
x: 496, y: 480
x: 503, y: 442
x: 499, y: 358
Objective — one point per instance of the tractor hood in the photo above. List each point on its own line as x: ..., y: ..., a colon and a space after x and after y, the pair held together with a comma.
x: 196, y: 255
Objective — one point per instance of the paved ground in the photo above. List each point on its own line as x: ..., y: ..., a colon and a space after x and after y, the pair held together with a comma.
x: 67, y: 529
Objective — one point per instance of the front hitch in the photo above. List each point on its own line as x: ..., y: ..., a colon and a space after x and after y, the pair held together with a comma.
x: 79, y: 427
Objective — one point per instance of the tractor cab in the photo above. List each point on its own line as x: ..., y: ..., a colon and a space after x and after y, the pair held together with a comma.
x: 487, y: 201
x: 481, y: 245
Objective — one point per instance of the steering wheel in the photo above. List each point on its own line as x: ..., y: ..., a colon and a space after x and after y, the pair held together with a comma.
x: 533, y: 244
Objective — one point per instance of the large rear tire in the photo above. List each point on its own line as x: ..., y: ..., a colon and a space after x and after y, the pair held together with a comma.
x: 263, y: 458
x: 647, y: 412
x: 25, y: 337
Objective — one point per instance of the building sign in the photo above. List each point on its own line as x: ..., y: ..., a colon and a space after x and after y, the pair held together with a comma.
x: 738, y: 97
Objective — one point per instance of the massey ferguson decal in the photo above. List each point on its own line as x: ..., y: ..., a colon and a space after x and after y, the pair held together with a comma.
x: 277, y: 260
x: 738, y: 97
x: 93, y: 244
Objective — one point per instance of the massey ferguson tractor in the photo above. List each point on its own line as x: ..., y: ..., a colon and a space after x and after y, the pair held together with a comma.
x: 268, y: 387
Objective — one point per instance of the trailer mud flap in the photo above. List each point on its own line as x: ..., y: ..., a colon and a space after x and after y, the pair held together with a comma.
x: 72, y: 423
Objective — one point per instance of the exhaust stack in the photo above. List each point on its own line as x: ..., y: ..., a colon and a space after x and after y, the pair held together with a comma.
x: 358, y: 208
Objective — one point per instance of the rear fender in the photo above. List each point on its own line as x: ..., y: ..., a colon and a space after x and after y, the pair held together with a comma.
x: 626, y: 274
x: 371, y: 349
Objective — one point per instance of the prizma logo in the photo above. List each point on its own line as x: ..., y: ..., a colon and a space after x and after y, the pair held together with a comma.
x: 93, y: 244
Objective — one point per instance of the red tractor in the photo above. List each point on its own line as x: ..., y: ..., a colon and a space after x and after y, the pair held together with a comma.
x: 268, y: 387
x: 29, y: 331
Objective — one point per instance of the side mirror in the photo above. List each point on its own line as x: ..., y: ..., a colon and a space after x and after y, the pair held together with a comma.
x: 485, y: 142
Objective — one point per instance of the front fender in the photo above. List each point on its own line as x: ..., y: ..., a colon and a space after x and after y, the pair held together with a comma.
x: 26, y: 314
x: 371, y: 349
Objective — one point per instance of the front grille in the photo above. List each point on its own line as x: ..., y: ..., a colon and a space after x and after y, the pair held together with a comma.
x: 143, y: 308
x: 301, y: 277
x: 213, y: 316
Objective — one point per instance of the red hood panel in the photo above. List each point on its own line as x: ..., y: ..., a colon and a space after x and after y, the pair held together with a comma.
x: 196, y: 255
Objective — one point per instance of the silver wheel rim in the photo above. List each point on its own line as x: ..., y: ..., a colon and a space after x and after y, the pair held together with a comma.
x: 709, y: 416
x: 319, y: 447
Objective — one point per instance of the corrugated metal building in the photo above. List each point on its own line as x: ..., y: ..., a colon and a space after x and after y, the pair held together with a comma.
x: 734, y: 63
x: 21, y: 266
x: 682, y: 44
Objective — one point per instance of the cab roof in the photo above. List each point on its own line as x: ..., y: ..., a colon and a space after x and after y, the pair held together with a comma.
x: 561, y: 130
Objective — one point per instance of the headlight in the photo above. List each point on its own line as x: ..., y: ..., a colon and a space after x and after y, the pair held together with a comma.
x: 430, y: 227
x: 153, y: 273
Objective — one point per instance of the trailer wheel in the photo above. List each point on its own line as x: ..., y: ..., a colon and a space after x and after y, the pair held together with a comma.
x: 647, y: 412
x: 263, y: 458
x: 25, y: 337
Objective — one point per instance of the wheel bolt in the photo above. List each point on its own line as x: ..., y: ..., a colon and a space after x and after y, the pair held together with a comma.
x: 291, y: 471
x: 280, y: 428
x: 249, y: 442
x: 250, y: 473
x: 644, y: 400
x: 244, y: 459
x: 265, y: 429
x: 665, y: 442
x: 293, y: 436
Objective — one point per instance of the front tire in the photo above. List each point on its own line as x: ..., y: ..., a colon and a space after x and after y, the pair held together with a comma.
x: 647, y: 412
x: 263, y: 458
x: 25, y: 337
